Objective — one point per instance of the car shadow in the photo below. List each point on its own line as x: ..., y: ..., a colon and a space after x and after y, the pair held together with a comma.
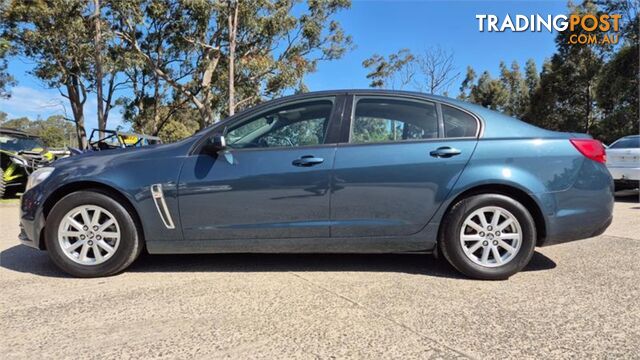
x: 27, y: 260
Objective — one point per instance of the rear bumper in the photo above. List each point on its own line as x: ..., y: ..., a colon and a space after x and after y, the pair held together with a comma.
x: 624, y: 173
x: 584, y: 210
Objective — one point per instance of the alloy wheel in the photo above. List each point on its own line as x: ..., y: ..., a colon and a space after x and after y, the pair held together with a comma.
x: 491, y: 236
x: 89, y: 235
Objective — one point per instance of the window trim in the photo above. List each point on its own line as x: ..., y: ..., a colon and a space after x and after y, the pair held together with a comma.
x: 351, y: 102
x: 337, y: 109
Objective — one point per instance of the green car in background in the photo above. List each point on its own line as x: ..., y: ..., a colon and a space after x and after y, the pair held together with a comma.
x: 20, y: 154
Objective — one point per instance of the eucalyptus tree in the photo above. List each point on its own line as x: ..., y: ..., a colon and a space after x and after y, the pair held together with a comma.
x: 54, y: 35
x: 72, y: 49
x: 6, y: 80
x: 224, y: 55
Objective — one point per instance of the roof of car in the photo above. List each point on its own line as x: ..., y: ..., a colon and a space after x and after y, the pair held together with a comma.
x: 15, y: 132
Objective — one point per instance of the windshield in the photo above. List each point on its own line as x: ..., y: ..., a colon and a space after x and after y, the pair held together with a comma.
x: 626, y: 143
x: 11, y: 142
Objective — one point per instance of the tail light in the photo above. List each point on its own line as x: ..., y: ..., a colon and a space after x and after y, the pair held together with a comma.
x: 592, y: 149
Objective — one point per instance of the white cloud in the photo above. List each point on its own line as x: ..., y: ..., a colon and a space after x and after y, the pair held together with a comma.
x: 41, y: 103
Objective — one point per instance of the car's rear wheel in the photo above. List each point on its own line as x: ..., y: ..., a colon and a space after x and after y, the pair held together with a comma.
x: 89, y: 234
x: 488, y: 236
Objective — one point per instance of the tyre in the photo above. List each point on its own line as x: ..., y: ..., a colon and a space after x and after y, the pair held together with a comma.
x: 488, y: 236
x: 2, y: 184
x: 89, y: 234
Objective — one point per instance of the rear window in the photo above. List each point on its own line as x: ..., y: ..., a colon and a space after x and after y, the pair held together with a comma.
x: 626, y: 143
x: 458, y: 123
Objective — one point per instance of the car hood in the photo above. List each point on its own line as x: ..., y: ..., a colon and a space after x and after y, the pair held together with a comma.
x: 114, y: 156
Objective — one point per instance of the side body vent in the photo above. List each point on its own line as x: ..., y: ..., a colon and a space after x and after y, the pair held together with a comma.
x: 161, y: 205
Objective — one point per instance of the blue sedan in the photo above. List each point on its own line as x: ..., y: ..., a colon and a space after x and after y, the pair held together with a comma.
x: 359, y: 171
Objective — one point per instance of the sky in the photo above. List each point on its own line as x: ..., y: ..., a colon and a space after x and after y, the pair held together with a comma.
x: 381, y: 27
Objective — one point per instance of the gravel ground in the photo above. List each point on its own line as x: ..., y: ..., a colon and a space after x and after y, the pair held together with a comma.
x: 576, y: 300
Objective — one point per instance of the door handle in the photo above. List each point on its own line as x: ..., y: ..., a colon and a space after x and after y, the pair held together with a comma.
x: 445, y: 152
x: 307, y: 160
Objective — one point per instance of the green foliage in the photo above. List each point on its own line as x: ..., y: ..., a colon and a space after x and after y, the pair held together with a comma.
x: 490, y: 93
x: 389, y: 71
x: 516, y: 86
x: 6, y: 80
x: 582, y: 88
x: 55, y: 131
x: 617, y: 95
x: 188, y: 48
x: 174, y: 131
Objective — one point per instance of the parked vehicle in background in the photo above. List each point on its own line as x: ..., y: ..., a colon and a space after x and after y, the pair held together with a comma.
x: 623, y: 162
x: 114, y: 139
x: 351, y: 171
x: 20, y: 155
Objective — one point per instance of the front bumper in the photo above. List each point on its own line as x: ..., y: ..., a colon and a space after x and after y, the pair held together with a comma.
x: 32, y: 219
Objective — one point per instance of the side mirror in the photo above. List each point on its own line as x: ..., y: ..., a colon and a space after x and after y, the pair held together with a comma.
x: 214, y: 144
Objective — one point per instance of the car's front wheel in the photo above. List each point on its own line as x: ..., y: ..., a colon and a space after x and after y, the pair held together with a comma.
x: 89, y: 234
x: 488, y: 236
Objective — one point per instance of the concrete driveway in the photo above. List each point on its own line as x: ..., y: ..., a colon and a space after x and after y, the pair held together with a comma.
x: 576, y: 300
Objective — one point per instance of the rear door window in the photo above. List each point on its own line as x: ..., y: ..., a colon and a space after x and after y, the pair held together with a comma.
x: 388, y: 120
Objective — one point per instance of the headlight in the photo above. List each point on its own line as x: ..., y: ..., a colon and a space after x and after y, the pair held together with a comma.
x: 38, y: 176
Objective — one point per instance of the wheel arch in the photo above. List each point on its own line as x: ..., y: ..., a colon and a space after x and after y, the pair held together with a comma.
x: 108, y: 190
x: 507, y: 190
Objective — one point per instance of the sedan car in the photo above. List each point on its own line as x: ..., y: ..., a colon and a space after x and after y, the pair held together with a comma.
x: 623, y: 161
x: 352, y: 171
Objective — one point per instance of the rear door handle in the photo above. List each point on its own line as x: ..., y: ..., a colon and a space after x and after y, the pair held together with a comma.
x: 445, y: 152
x: 307, y: 160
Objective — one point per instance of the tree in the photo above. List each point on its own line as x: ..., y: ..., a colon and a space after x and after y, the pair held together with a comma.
x: 565, y: 99
x: 431, y: 71
x: 490, y: 93
x: 516, y: 86
x: 53, y: 34
x: 436, y: 70
x: 467, y: 84
x: 108, y: 63
x: 616, y: 91
x: 6, y: 80
x: 262, y: 45
x: 617, y: 95
x: 532, y: 77
x: 396, y: 71
x: 55, y: 131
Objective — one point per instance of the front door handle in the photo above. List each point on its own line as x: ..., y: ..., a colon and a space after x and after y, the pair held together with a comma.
x: 445, y: 152
x: 307, y: 160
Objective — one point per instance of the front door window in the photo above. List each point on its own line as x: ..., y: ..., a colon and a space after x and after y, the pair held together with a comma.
x: 303, y: 124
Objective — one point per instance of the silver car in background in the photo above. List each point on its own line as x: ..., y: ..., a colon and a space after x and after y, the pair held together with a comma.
x: 623, y: 162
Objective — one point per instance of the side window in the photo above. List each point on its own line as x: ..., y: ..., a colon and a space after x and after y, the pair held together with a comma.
x: 381, y: 120
x: 301, y: 124
x: 458, y: 123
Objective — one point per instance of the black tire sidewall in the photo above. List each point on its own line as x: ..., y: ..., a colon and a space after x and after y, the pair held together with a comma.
x: 452, y: 249
x: 126, y: 252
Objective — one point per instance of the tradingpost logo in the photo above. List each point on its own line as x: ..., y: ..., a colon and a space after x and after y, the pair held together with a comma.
x: 585, y: 29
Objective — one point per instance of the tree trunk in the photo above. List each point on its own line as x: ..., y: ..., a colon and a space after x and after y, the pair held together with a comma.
x: 77, y: 107
x: 233, y: 26
x: 98, y: 63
